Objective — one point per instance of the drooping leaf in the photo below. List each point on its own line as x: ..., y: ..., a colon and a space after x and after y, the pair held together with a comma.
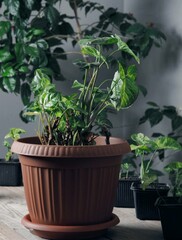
x: 124, y: 47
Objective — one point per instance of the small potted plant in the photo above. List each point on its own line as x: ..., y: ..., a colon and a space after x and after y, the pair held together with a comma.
x: 70, y: 173
x: 128, y: 175
x: 170, y: 208
x: 146, y: 192
x: 10, y: 169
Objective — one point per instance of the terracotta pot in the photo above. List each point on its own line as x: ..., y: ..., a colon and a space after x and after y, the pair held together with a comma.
x: 70, y: 185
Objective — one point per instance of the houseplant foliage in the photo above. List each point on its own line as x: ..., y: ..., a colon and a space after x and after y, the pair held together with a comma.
x: 146, y: 192
x: 33, y: 34
x: 70, y: 120
x: 128, y: 175
x: 147, y: 149
x: 70, y: 173
x: 10, y: 169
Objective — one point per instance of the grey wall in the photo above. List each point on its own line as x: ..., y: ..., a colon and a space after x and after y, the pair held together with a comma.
x: 160, y: 72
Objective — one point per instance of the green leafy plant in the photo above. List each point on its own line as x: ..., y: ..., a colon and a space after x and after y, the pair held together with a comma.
x: 174, y: 169
x: 12, y: 135
x: 71, y: 120
x: 147, y: 150
x: 34, y: 33
x: 128, y: 167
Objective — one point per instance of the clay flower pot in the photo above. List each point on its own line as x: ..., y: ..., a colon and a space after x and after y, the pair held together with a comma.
x: 70, y: 190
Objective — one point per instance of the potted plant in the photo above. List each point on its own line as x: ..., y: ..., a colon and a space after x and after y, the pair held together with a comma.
x: 10, y: 169
x: 170, y: 208
x: 146, y: 193
x: 70, y: 173
x: 127, y: 175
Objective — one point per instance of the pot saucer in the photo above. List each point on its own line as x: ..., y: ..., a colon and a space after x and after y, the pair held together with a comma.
x: 69, y: 232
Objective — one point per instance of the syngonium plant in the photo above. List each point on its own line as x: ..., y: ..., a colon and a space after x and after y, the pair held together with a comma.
x: 34, y: 34
x: 147, y: 150
x: 77, y: 119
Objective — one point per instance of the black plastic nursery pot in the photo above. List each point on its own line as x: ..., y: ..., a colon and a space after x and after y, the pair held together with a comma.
x: 124, y: 196
x: 144, y: 200
x: 10, y: 173
x: 170, y: 211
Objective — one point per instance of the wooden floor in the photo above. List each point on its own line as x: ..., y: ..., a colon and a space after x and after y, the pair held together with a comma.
x: 13, y: 208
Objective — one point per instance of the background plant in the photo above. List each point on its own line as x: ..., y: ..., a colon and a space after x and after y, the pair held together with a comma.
x: 155, y: 114
x: 13, y: 135
x: 71, y: 120
x: 148, y: 150
x: 174, y: 169
x: 33, y: 34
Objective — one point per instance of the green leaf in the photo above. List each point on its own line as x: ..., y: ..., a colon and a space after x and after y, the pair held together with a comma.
x: 143, y: 90
x: 124, y: 88
x: 98, y: 41
x: 140, y: 139
x: 155, y: 117
x: 176, y: 122
x: 173, y: 166
x: 24, y: 69
x: 14, y: 133
x: 5, y: 26
x: 170, y: 112
x: 8, y: 72
x: 167, y: 143
x: 60, y: 53
x: 32, y: 50
x: 38, y: 32
x: 19, y: 52
x: 41, y: 43
x: 66, y: 29
x: 73, y: 2
x: 52, y: 15
x: 88, y: 50
x: 13, y: 6
x: 29, y: 3
x: 9, y: 84
x: 25, y: 93
x: 136, y: 28
x: 5, y: 55
x: 124, y: 47
x: 153, y: 104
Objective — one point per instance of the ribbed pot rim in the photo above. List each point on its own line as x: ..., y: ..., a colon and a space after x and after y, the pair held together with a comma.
x: 31, y: 146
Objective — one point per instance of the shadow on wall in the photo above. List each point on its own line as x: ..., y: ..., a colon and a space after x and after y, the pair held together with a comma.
x: 173, y: 50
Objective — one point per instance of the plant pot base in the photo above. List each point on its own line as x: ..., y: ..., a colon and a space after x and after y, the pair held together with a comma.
x: 69, y: 232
